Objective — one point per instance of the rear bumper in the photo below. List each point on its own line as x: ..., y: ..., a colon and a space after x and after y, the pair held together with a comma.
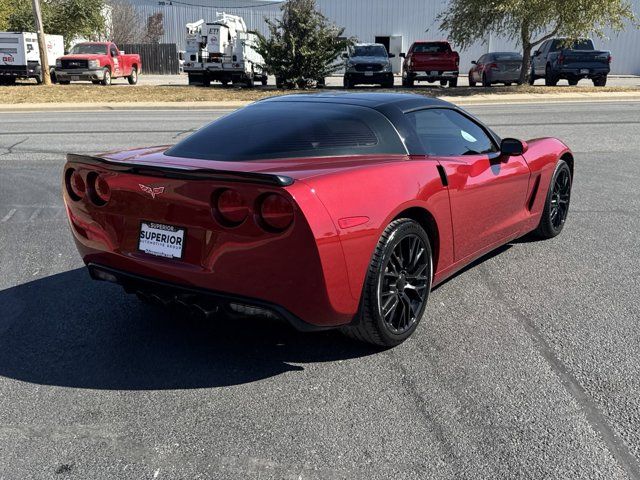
x: 79, y: 74
x: 373, y: 79
x: 586, y: 72
x: 504, y: 76
x: 201, y: 301
x: 434, y: 76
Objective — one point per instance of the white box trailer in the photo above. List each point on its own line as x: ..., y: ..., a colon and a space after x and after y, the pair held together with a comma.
x: 20, y: 55
x: 223, y: 51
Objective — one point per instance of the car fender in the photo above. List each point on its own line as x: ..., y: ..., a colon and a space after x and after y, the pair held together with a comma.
x: 363, y: 202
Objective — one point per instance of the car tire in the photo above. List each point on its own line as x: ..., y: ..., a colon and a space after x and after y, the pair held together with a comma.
x: 408, y: 81
x: 263, y: 80
x: 532, y: 77
x: 106, y: 79
x: 392, y: 306
x: 66, y: 82
x: 573, y: 82
x: 485, y: 82
x: 556, y: 207
x: 453, y: 83
x: 600, y: 81
x: 388, y: 83
x: 96, y: 82
x: 133, y: 77
x: 549, y: 78
x: 472, y: 82
x: 346, y: 83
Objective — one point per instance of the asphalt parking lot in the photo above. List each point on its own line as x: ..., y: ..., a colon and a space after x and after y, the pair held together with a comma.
x: 336, y: 81
x: 526, y: 365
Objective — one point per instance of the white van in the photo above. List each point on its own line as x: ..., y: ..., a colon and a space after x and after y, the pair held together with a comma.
x: 20, y: 55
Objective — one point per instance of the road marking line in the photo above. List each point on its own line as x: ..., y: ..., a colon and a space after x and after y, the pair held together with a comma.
x: 35, y: 214
x: 8, y: 215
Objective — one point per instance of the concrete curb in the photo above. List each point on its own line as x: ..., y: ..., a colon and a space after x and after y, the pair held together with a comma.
x: 495, y: 99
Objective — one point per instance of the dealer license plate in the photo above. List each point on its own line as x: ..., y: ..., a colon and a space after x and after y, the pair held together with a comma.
x: 368, y: 74
x: 161, y: 240
x: 75, y: 78
x: 584, y: 71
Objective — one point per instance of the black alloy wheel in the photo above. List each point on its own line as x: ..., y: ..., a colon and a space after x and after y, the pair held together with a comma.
x: 556, y: 207
x: 560, y: 198
x: 403, y: 285
x: 397, y: 286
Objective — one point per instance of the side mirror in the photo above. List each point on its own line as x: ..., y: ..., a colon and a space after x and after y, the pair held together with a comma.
x: 392, y: 55
x: 536, y: 53
x: 513, y: 147
x: 403, y: 55
x: 345, y: 56
x: 473, y: 62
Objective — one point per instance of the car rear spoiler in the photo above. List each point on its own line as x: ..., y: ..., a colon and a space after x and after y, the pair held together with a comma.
x: 185, y: 173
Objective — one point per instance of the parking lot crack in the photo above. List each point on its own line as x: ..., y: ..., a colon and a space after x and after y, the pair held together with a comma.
x: 616, y: 446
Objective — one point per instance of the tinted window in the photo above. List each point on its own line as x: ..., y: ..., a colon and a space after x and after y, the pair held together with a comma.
x: 507, y: 57
x: 369, y: 51
x: 292, y: 129
x: 582, y: 44
x: 431, y: 48
x: 482, y: 59
x: 447, y: 133
x: 89, y: 48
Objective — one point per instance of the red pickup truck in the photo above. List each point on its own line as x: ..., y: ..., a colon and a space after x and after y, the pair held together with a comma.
x: 430, y: 62
x: 99, y: 62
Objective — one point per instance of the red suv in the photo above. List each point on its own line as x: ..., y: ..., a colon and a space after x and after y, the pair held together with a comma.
x: 430, y: 62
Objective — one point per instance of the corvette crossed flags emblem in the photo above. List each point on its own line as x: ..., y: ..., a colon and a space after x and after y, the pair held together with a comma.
x: 153, y: 191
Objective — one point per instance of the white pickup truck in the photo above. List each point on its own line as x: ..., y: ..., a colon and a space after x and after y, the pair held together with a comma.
x: 20, y: 56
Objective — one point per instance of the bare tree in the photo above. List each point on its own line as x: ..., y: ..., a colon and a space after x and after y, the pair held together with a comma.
x: 155, y: 28
x: 126, y: 22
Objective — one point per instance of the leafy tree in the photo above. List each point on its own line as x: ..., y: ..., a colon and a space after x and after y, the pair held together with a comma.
x: 302, y: 47
x: 155, y: 28
x: 70, y: 18
x: 6, y: 9
x: 531, y: 22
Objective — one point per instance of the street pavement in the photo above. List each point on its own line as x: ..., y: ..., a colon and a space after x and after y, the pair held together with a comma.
x: 526, y: 365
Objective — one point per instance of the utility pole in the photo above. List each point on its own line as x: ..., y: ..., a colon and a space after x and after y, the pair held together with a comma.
x: 42, y: 44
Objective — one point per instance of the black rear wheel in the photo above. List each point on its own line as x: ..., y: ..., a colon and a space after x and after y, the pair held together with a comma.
x: 556, y: 207
x: 397, y: 286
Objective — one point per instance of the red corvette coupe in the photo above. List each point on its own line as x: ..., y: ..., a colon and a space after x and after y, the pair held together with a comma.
x: 330, y: 210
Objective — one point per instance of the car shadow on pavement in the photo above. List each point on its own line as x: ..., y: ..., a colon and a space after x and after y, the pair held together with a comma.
x: 70, y: 331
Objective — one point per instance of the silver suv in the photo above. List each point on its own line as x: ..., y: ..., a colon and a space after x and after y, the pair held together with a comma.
x: 368, y: 63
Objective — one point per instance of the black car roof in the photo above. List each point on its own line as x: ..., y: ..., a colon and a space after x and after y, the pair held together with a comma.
x: 402, y: 101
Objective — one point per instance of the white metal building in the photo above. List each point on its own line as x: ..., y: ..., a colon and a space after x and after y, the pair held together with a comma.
x: 397, y: 23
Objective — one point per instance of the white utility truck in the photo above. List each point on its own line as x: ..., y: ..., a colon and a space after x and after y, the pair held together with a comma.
x: 222, y: 51
x: 20, y: 55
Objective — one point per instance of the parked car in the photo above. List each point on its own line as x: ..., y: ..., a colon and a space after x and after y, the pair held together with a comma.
x: 430, y: 62
x: 368, y: 63
x: 559, y: 58
x: 324, y: 210
x: 20, y: 56
x: 497, y: 67
x: 98, y: 62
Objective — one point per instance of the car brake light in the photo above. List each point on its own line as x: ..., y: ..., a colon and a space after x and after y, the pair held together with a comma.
x: 276, y: 212
x: 99, y: 190
x: 561, y: 59
x: 229, y: 207
x: 75, y: 184
x: 610, y: 59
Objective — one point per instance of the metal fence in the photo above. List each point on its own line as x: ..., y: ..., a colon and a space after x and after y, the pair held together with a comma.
x: 160, y: 58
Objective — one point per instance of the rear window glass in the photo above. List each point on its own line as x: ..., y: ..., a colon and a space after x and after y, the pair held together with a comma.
x: 507, y: 57
x: 583, y: 44
x: 292, y: 129
x: 431, y: 48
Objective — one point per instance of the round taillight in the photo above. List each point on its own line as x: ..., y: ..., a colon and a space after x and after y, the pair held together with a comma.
x: 75, y: 184
x: 99, y: 190
x: 230, y: 207
x: 276, y: 212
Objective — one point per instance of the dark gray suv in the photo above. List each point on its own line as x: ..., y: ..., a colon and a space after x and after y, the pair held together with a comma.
x: 368, y: 63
